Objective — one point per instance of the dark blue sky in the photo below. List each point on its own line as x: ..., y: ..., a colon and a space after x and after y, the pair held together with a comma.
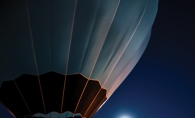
x: 162, y: 85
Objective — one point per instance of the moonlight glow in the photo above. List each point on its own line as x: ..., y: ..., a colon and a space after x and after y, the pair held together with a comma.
x: 125, y: 116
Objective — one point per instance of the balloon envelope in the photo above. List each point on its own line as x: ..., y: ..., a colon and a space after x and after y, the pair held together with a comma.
x: 98, y: 41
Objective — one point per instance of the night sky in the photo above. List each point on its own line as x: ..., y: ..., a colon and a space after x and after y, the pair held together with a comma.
x: 162, y: 84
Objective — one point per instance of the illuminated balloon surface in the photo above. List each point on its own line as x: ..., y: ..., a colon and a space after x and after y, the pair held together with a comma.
x: 61, y: 56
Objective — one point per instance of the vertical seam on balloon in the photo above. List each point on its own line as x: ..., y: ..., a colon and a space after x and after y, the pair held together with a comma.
x: 23, y: 98
x: 96, y: 58
x: 33, y: 48
x: 81, y: 96
x: 109, y: 61
x: 96, y: 108
x: 71, y: 33
x: 11, y: 105
x: 115, y: 50
x: 127, y: 44
x: 113, y: 54
x: 115, y: 84
x: 89, y: 38
x: 103, y: 103
x: 92, y: 102
x: 104, y: 39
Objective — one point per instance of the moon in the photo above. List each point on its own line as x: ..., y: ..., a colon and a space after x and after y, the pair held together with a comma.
x: 125, y: 116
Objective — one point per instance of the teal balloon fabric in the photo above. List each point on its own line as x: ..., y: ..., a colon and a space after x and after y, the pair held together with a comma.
x: 100, y: 39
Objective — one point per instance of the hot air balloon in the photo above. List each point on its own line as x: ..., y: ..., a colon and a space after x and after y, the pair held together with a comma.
x: 65, y: 58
